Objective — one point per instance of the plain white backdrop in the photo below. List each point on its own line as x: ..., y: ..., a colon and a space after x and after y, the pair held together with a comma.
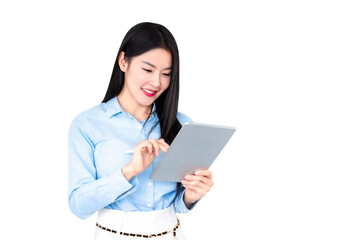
x: 284, y: 73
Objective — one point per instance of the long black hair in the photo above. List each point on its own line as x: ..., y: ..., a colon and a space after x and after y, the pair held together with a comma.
x: 138, y: 40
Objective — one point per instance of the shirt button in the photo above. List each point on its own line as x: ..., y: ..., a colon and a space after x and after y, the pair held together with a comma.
x: 149, y: 205
x: 149, y: 184
x: 140, y: 127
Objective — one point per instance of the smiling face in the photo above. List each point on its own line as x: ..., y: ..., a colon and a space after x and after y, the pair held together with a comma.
x: 147, y: 76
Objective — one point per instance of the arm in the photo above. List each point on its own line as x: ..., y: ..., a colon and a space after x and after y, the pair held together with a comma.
x: 86, y: 193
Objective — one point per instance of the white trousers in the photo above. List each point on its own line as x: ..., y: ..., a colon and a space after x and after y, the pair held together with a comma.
x: 152, y: 222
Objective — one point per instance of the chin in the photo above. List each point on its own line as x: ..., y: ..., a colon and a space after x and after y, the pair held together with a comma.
x: 147, y: 102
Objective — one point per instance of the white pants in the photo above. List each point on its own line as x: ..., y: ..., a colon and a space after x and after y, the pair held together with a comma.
x: 152, y: 222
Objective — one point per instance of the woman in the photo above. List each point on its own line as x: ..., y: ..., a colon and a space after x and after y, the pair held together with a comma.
x: 139, y: 113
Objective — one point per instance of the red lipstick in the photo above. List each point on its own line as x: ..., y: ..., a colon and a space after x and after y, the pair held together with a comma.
x: 148, y: 92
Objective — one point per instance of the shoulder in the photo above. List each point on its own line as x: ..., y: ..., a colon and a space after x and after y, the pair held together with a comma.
x: 89, y: 115
x: 83, y: 125
x: 183, y: 118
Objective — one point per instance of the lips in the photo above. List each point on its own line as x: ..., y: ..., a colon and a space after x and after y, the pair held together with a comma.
x: 148, y: 92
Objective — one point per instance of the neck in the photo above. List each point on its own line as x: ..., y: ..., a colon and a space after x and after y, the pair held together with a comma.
x: 139, y: 112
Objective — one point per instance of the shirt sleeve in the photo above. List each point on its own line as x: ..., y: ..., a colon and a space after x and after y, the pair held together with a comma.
x: 179, y: 203
x: 183, y: 119
x: 86, y: 193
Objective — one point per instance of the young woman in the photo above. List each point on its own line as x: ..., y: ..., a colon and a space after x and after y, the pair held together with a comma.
x: 115, y: 146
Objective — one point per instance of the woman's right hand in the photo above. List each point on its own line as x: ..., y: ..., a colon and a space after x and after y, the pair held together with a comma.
x: 144, y: 154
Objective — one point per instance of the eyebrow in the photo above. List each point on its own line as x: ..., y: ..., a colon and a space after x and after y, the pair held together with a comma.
x: 152, y: 65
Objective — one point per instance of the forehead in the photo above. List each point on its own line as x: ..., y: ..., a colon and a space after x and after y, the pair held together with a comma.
x: 159, y: 57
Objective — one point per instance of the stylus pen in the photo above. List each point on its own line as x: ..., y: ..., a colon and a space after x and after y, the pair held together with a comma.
x: 129, y: 151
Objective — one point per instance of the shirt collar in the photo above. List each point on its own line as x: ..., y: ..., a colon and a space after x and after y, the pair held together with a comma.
x: 113, y: 107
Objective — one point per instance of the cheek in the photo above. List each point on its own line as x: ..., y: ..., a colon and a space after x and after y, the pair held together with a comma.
x: 137, y: 79
x: 165, y: 84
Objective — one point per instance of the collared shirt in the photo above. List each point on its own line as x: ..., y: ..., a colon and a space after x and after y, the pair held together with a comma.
x: 99, y: 141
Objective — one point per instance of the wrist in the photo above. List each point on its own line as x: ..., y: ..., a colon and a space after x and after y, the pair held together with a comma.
x: 188, y: 203
x: 128, y: 172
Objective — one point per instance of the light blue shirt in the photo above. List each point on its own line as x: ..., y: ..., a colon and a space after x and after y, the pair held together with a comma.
x: 98, y: 141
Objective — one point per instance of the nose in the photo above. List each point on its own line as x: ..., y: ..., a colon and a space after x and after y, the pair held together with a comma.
x: 156, y: 80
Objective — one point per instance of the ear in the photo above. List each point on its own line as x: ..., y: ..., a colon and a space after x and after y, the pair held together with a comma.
x: 122, y: 61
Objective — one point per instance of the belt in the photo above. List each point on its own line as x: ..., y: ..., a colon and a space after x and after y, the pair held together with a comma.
x: 142, y: 235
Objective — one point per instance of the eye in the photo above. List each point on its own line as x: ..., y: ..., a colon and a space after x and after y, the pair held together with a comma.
x: 147, y: 70
x: 167, y: 74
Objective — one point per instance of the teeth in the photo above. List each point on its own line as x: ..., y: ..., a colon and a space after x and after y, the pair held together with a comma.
x: 148, y: 91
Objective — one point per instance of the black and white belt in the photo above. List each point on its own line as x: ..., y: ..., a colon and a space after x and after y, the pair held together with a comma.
x: 142, y: 235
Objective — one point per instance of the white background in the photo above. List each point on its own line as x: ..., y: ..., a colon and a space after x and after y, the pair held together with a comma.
x: 284, y: 73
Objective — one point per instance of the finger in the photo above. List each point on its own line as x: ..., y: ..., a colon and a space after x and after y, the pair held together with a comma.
x: 197, y: 178
x: 195, y: 183
x: 163, y: 148
x: 155, y: 145
x: 149, y: 147
x: 201, y: 192
x: 163, y: 143
x: 205, y: 172
x: 205, y: 186
x: 143, y: 146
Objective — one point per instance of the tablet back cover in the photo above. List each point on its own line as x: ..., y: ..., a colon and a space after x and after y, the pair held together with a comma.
x: 195, y: 147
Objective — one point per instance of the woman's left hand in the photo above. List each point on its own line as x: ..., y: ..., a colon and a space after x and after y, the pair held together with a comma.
x: 196, y: 186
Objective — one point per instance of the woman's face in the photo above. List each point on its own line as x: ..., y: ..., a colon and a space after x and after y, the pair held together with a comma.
x: 147, y: 76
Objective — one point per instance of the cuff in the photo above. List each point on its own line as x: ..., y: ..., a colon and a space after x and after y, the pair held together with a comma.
x: 120, y: 186
x: 180, y: 206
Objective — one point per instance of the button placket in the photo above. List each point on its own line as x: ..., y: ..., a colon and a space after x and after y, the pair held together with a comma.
x: 149, y: 188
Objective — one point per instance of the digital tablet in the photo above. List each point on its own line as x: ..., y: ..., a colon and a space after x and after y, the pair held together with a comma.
x: 195, y: 147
